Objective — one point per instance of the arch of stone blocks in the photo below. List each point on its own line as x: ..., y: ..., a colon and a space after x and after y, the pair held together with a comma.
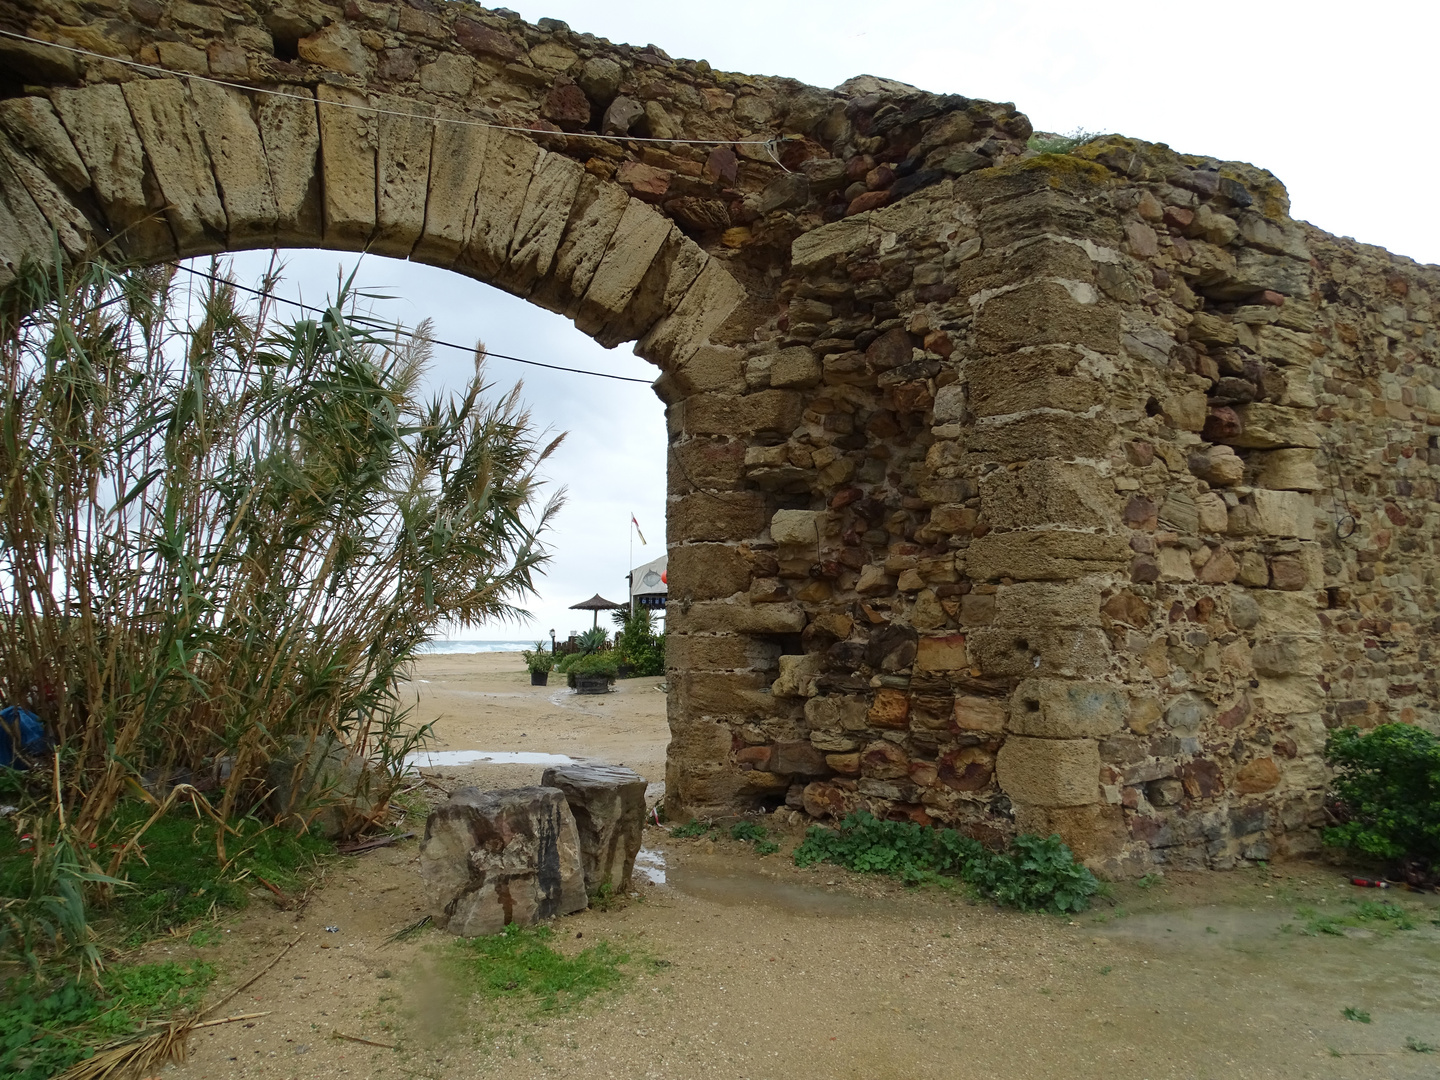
x: 996, y: 490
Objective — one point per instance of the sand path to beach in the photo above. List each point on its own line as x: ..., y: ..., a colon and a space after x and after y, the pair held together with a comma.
x: 749, y: 967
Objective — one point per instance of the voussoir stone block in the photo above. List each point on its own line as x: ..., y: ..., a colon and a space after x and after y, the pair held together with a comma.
x: 102, y: 131
x: 608, y: 802
x: 498, y: 857
x: 347, y: 157
x: 237, y: 154
x: 1049, y: 772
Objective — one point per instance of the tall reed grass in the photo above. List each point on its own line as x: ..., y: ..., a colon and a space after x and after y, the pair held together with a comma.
x: 224, y: 534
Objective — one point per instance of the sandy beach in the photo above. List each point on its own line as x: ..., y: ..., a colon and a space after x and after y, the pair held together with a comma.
x: 750, y: 967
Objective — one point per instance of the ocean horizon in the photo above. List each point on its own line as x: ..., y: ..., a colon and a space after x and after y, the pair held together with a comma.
x: 470, y: 645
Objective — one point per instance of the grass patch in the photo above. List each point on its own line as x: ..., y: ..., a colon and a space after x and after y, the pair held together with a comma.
x: 1360, y: 1016
x: 174, y: 876
x: 520, y: 964
x: 1379, y: 916
x: 1412, y: 1043
x: 46, y: 1027
x: 1034, y: 874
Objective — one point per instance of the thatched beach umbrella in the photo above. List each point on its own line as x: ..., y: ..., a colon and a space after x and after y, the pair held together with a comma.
x: 597, y: 604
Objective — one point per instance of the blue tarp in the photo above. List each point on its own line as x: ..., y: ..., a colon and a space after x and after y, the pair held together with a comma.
x: 22, y: 722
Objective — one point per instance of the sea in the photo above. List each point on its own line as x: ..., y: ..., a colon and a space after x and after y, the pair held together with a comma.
x: 470, y: 646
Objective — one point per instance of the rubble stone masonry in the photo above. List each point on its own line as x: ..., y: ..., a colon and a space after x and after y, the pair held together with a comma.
x: 1013, y: 491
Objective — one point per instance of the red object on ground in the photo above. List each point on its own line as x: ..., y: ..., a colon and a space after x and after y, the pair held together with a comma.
x: 1369, y: 883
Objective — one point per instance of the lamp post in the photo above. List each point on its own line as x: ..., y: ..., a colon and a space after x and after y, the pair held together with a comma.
x: 552, y: 642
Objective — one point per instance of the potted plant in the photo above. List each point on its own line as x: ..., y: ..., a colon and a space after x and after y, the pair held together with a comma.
x: 539, y: 661
x: 592, y: 673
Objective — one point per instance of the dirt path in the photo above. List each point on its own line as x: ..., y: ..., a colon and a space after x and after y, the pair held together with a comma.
x: 750, y: 967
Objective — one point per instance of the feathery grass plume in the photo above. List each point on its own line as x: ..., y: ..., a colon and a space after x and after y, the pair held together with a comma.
x: 224, y: 537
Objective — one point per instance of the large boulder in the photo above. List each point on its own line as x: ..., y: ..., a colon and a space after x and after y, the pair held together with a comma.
x: 608, y: 802
x: 497, y: 857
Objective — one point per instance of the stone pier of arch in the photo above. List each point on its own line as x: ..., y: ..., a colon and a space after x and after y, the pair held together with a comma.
x: 1016, y: 491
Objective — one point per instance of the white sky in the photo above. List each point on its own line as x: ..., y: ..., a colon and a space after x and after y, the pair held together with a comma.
x: 1339, y: 101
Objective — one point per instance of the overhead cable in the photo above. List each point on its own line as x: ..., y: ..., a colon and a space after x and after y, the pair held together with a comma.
x: 378, y: 323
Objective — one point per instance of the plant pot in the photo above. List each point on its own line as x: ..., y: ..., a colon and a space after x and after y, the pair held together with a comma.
x: 539, y: 678
x: 592, y: 684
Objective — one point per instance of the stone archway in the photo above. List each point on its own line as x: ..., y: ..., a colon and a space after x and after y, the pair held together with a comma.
x: 992, y: 473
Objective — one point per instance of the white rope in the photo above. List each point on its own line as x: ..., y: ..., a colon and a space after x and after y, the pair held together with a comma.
x: 532, y: 132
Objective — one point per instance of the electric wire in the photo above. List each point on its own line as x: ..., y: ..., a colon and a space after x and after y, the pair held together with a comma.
x: 383, y: 325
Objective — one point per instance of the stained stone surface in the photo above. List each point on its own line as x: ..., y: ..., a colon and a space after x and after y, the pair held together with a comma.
x: 608, y: 802
x: 491, y: 858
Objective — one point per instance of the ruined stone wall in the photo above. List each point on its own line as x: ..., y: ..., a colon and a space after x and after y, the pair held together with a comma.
x: 1004, y: 487
x: 1377, y: 385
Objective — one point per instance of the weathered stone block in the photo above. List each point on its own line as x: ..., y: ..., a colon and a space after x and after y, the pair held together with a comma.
x: 404, y: 134
x: 608, y: 803
x: 347, y: 161
x: 1043, y: 556
x: 1062, y: 709
x: 1042, y: 435
x: 1289, y: 654
x: 980, y: 714
x: 509, y: 166
x: 1288, y: 470
x: 103, y: 133
x: 290, y: 133
x: 737, y: 616
x: 798, y: 528
x: 1049, y: 772
x: 1047, y: 493
x: 499, y: 857
x: 1040, y: 603
x: 946, y: 653
x: 1284, y: 513
x: 1019, y: 651
x: 707, y: 571
x: 237, y: 155
x: 1272, y: 427
x: 776, y: 411
x: 1047, y: 377
x: 1047, y: 313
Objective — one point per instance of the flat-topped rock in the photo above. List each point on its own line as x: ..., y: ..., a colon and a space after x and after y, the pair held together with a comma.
x: 608, y: 802
x: 497, y: 857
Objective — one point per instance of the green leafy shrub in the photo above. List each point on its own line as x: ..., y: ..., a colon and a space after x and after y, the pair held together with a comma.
x: 593, y: 664
x: 692, y: 828
x: 1035, y: 873
x: 538, y: 660
x: 641, y: 650
x: 1387, y: 791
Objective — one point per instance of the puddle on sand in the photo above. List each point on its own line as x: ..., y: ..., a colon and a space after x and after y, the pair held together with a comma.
x: 652, y: 864
x: 435, y: 759
x: 733, y: 889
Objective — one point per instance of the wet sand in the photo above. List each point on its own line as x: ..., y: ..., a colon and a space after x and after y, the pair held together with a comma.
x: 750, y: 967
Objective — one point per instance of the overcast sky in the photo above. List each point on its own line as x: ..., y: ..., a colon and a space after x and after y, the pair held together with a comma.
x: 1339, y: 101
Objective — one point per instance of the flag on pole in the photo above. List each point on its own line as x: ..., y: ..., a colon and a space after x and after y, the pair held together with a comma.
x: 637, y: 529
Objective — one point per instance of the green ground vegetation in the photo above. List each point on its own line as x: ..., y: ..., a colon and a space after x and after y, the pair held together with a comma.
x: 1034, y: 873
x: 521, y: 965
